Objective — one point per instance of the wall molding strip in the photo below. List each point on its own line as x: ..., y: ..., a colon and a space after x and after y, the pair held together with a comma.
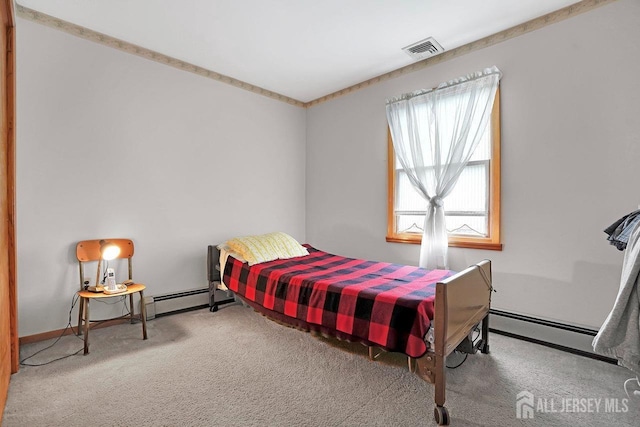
x: 94, y: 36
x: 518, y: 30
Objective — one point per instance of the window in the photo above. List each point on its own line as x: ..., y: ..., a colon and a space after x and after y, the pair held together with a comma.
x: 472, y: 209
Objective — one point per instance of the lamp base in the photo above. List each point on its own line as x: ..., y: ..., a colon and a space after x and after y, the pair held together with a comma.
x: 96, y: 289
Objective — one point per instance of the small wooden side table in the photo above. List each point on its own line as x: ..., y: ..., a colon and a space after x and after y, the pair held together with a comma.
x: 86, y: 296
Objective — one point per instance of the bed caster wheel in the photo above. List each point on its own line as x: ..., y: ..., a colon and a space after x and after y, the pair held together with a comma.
x: 484, y: 349
x: 213, y: 308
x: 441, y: 415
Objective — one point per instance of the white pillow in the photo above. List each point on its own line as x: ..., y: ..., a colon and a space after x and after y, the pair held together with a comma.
x: 266, y: 247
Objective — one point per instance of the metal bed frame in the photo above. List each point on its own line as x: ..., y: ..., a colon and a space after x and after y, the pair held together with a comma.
x: 462, y: 302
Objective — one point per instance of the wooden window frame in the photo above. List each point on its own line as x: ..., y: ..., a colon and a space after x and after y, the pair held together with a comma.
x: 492, y: 242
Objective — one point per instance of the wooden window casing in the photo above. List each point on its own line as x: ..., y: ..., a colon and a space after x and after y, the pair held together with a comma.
x: 492, y: 241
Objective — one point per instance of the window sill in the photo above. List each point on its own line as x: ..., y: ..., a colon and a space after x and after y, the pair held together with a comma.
x: 454, y: 242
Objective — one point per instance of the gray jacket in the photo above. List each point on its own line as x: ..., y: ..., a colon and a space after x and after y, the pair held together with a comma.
x: 619, y: 336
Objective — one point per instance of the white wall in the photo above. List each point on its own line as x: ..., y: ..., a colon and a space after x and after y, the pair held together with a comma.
x: 570, y: 155
x: 113, y: 145
x: 570, y: 103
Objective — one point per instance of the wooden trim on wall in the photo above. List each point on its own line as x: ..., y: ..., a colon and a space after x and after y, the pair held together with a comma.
x: 10, y: 85
x: 11, y: 196
x: 391, y: 185
x: 9, y: 345
x: 43, y: 336
x: 10, y: 103
x: 496, y: 173
x: 492, y: 242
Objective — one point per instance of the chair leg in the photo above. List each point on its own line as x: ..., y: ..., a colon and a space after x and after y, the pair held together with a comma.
x: 85, y: 303
x: 131, y: 309
x: 80, y: 312
x: 143, y: 316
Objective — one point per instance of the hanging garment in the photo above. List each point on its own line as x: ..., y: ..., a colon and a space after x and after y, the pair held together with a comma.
x: 620, y: 230
x: 619, y: 336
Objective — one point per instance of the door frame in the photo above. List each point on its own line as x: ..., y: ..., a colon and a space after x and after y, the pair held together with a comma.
x: 8, y: 145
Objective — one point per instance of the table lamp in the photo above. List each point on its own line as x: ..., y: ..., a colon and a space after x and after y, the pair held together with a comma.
x: 108, y: 251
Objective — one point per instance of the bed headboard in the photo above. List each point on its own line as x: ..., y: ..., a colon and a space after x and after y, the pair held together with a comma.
x: 213, y: 259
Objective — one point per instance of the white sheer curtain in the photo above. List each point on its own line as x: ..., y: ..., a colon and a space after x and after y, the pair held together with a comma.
x: 435, y: 132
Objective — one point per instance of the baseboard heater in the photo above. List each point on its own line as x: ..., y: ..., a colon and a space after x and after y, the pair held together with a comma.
x: 176, y: 302
x: 560, y: 336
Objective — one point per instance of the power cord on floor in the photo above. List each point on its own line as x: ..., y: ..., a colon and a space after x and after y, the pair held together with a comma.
x: 456, y: 352
x: 74, y: 301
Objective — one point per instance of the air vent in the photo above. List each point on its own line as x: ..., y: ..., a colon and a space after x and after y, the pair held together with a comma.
x: 424, y: 48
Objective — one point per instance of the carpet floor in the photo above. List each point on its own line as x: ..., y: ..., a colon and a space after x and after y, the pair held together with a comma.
x: 238, y: 368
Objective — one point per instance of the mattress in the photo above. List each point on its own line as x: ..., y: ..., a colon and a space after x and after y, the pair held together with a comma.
x: 382, y: 304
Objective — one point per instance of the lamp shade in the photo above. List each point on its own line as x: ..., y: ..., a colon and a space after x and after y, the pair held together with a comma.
x: 108, y: 250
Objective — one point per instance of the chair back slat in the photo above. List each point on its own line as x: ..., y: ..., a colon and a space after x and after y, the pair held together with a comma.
x: 89, y: 250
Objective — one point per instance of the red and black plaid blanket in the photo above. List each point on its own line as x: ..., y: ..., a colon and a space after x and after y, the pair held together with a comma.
x: 388, y: 305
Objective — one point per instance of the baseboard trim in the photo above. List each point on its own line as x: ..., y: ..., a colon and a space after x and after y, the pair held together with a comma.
x: 28, y: 339
x: 117, y: 321
x: 43, y: 336
x: 500, y: 331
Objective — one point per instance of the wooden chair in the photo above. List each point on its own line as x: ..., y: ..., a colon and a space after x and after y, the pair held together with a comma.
x: 92, y: 251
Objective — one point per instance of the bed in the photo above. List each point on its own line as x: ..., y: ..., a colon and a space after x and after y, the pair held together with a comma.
x: 425, y: 314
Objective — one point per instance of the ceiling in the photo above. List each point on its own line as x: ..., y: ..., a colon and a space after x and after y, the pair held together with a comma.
x: 302, y: 49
